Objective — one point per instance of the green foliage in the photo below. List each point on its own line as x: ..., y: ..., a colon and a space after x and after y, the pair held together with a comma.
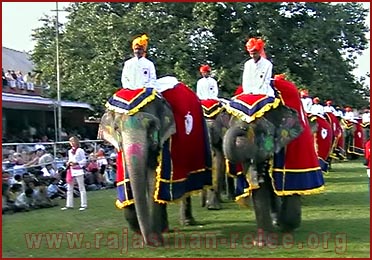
x: 315, y: 43
x: 335, y: 224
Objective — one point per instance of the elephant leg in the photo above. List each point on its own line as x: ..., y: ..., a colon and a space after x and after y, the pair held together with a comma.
x: 186, y: 218
x: 230, y: 188
x: 131, y: 216
x: 290, y: 213
x: 263, y: 206
x: 203, y: 197
x: 214, y: 195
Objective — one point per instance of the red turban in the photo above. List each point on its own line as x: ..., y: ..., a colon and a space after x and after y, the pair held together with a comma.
x: 205, y: 68
x: 255, y: 44
x: 348, y: 109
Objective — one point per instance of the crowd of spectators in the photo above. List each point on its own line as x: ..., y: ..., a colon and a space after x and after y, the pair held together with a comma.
x: 34, y: 178
x: 16, y: 79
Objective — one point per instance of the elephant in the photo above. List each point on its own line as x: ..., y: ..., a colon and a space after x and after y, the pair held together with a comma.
x: 217, y: 121
x: 324, y: 139
x: 262, y: 135
x: 354, y: 137
x: 144, y: 128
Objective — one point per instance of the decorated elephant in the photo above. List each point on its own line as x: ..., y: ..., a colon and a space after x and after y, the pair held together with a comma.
x: 217, y: 121
x: 354, y: 138
x: 163, y: 153
x: 324, y: 137
x: 272, y: 139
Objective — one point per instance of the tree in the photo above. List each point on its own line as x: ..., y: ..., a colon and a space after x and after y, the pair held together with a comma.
x: 315, y: 44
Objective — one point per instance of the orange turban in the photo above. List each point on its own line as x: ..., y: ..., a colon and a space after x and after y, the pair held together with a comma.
x: 205, y: 68
x: 255, y: 44
x: 316, y: 100
x: 140, y: 41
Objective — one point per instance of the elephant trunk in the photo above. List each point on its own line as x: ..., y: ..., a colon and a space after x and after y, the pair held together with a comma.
x: 135, y: 157
x: 238, y: 146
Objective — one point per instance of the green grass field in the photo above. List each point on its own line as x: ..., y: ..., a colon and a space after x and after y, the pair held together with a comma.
x: 334, y: 224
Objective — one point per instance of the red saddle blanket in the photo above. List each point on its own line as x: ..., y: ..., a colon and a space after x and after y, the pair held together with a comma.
x: 211, y: 107
x: 249, y: 107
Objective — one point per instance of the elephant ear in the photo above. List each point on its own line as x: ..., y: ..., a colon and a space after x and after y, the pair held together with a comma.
x: 108, y: 129
x: 289, y: 127
x: 167, y: 122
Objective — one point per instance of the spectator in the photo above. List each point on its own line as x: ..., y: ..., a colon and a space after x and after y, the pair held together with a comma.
x: 28, y: 79
x: 10, y: 79
x: 102, y: 165
x: 76, y: 163
x: 21, y: 84
x: 53, y: 191
x: 5, y: 82
x: 24, y: 201
x: 367, y: 154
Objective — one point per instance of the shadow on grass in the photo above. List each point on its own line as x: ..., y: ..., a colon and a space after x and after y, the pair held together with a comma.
x: 337, y: 198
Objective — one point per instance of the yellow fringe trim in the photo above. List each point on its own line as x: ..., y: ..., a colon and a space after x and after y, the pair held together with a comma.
x: 217, y: 111
x: 242, y: 116
x: 134, y: 110
x: 121, y: 205
x: 292, y: 192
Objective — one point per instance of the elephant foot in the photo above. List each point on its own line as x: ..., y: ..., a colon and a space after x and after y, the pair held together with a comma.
x: 188, y: 222
x: 265, y: 238
x: 275, y: 219
x: 213, y: 202
x: 215, y: 206
x: 154, y: 240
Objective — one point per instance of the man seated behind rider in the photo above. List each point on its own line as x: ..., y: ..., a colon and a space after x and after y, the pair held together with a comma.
x: 139, y: 72
x: 306, y: 101
x: 329, y: 108
x: 257, y: 70
x: 206, y: 87
x: 317, y: 108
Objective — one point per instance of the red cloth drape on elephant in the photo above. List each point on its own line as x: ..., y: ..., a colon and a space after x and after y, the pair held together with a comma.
x: 296, y: 168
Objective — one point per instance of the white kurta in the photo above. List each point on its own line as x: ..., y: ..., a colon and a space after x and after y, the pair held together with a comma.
x: 207, y: 88
x: 257, y: 77
x: 329, y: 109
x: 307, y: 103
x: 317, y: 109
x: 138, y: 73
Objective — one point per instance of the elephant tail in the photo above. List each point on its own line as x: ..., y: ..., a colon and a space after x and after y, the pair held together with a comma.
x: 236, y: 145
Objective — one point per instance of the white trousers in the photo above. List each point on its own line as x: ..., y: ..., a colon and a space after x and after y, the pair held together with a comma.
x: 70, y: 192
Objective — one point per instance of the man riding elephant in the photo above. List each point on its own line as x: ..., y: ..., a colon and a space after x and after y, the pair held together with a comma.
x: 162, y: 144
x: 268, y: 134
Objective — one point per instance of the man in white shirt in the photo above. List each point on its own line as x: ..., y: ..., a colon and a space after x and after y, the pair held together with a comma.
x: 365, y: 116
x: 329, y: 108
x: 206, y: 87
x: 349, y: 114
x: 139, y: 72
x: 307, y: 102
x: 257, y: 72
x: 317, y: 108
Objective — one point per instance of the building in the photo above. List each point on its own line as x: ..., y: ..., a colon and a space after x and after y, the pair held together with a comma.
x: 25, y: 106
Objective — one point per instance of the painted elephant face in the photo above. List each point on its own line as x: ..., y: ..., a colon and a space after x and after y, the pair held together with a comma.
x: 263, y: 137
x: 151, y: 126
